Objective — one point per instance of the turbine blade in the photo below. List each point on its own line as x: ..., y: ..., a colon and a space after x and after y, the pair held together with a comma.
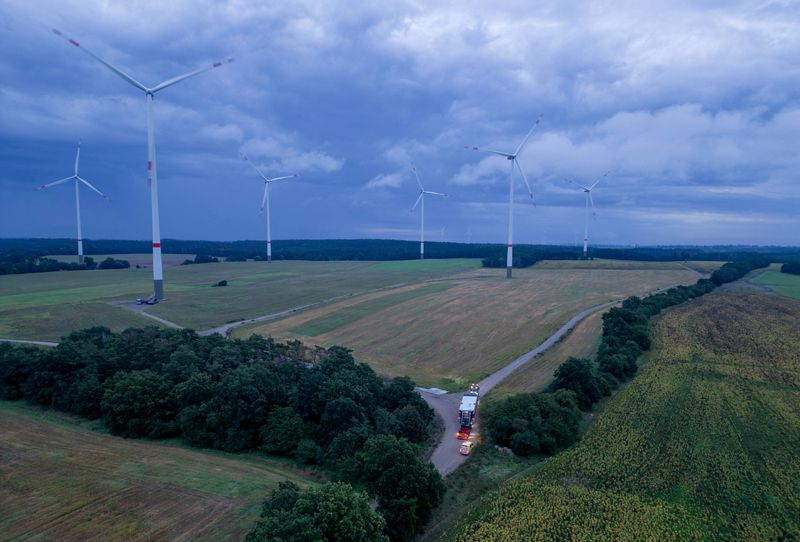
x: 535, y: 125
x: 579, y: 185
x: 87, y: 183
x: 594, y: 214
x: 264, y: 199
x: 77, y: 158
x: 417, y: 202
x: 272, y: 180
x: 108, y: 65
x: 416, y: 173
x: 178, y: 79
x: 600, y: 179
x: 507, y: 155
x: 60, y: 181
x: 434, y: 193
x: 524, y: 178
x: 246, y: 159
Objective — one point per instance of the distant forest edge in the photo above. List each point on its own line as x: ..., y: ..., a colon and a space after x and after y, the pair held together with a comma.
x: 25, y: 255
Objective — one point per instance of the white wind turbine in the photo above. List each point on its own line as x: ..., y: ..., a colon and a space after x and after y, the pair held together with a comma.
x: 78, y: 180
x: 421, y: 200
x: 589, y: 201
x: 265, y: 201
x: 512, y: 157
x: 152, y: 179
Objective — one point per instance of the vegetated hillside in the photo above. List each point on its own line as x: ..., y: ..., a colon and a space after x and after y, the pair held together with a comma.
x: 701, y: 445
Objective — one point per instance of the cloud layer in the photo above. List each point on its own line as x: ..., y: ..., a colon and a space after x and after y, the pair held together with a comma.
x: 693, y: 107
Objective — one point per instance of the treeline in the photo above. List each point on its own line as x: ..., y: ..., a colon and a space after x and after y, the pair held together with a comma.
x: 792, y: 268
x: 492, y: 254
x: 318, y: 406
x: 534, y: 423
x: 17, y: 261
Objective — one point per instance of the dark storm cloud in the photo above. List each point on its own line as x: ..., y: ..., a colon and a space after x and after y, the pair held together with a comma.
x: 692, y: 106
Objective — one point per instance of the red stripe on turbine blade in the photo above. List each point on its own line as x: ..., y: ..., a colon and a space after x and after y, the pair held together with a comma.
x: 156, y: 245
x: 149, y: 165
x: 216, y: 64
x: 509, y: 246
x: 75, y: 43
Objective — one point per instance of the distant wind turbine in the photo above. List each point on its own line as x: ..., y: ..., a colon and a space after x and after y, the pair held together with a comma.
x: 512, y: 157
x: 78, y: 180
x: 265, y: 201
x: 589, y: 201
x: 152, y: 179
x: 421, y: 201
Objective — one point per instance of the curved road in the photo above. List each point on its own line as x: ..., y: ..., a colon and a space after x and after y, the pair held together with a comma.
x: 445, y: 456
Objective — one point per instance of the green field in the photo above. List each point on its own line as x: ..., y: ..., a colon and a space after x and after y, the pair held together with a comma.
x: 478, y: 323
x: 781, y: 283
x: 62, y: 480
x: 702, y: 445
x: 47, y: 306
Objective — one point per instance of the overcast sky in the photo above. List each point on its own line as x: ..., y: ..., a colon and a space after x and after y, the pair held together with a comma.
x: 693, y: 107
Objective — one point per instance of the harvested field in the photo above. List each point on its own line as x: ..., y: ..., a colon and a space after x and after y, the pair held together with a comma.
x: 46, y: 306
x: 460, y: 334
x: 60, y: 480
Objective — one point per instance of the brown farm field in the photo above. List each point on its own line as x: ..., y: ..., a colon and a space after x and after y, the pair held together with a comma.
x: 474, y: 322
x: 60, y: 480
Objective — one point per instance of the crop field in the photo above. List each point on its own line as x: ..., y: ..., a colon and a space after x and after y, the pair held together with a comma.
x: 582, y: 342
x: 702, y: 445
x: 475, y: 323
x: 47, y: 306
x: 781, y: 283
x: 59, y: 480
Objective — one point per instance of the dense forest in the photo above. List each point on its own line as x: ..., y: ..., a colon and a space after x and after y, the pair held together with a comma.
x: 543, y: 423
x: 492, y: 255
x: 318, y: 406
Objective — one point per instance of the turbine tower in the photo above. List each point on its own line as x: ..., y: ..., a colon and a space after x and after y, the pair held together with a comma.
x: 152, y: 178
x: 78, y: 180
x: 265, y: 201
x: 421, y: 201
x: 512, y: 157
x: 589, y: 201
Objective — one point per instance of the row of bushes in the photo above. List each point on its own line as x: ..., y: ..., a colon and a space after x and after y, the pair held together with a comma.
x: 318, y: 406
x: 546, y: 422
x: 17, y: 262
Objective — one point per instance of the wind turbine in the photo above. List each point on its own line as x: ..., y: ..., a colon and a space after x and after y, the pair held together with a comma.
x: 152, y: 178
x: 589, y: 201
x: 78, y: 180
x: 421, y: 200
x: 512, y: 157
x: 265, y: 201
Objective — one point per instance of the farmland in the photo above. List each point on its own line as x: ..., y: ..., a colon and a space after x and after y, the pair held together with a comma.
x: 582, y: 342
x: 474, y: 323
x: 47, y: 306
x: 59, y: 479
x: 781, y: 283
x: 701, y: 445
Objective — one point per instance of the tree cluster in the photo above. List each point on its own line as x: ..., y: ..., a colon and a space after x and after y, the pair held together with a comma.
x: 201, y: 258
x: 383, y: 249
x: 535, y: 423
x: 791, y: 268
x: 111, y: 263
x: 318, y: 406
x: 519, y: 421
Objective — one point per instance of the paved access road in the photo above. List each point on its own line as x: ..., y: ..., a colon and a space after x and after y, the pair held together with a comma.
x: 445, y: 456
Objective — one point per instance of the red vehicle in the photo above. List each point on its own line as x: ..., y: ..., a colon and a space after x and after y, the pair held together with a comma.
x: 467, y: 411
